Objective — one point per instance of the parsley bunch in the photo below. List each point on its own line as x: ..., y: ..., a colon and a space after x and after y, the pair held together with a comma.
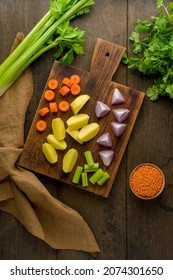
x: 152, y: 46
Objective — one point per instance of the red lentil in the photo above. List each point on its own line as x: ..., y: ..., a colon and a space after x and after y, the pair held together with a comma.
x: 146, y: 181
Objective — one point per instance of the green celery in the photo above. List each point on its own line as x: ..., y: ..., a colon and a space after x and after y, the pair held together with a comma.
x: 34, y: 44
x: 89, y: 158
x: 77, y: 174
x: 92, y: 168
x: 103, y: 179
x: 84, y: 179
x: 96, y: 176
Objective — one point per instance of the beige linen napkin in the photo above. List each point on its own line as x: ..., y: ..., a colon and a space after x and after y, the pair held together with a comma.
x: 21, y: 193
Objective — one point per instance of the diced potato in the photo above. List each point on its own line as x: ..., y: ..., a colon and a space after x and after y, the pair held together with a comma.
x: 69, y: 160
x: 77, y: 121
x: 57, y: 144
x: 58, y: 128
x: 50, y: 153
x: 88, y: 132
x: 74, y: 134
x: 77, y: 104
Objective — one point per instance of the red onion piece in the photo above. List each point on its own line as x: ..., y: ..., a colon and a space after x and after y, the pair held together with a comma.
x: 105, y: 140
x: 117, y: 97
x: 106, y: 156
x: 120, y: 114
x: 118, y: 128
x: 101, y: 109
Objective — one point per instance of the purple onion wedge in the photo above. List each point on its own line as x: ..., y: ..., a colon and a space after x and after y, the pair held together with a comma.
x: 105, y: 140
x: 120, y: 114
x: 101, y: 109
x: 118, y: 128
x: 117, y: 97
x: 106, y: 156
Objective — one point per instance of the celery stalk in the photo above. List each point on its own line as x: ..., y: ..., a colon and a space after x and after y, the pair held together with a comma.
x: 37, y: 41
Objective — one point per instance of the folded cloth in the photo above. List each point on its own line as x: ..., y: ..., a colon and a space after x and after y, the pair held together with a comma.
x: 21, y: 193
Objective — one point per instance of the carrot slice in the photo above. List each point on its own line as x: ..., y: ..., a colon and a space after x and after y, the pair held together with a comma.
x: 53, y: 84
x: 66, y: 81
x: 64, y: 105
x: 75, y: 79
x: 41, y: 125
x: 53, y: 107
x: 64, y: 90
x: 75, y: 89
x: 43, y: 111
x: 49, y: 95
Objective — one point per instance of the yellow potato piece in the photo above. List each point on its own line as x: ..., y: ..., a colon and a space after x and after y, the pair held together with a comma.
x: 58, y: 128
x: 50, y: 153
x: 77, y: 104
x: 74, y: 134
x: 57, y: 144
x: 88, y: 132
x: 77, y: 121
x: 69, y: 160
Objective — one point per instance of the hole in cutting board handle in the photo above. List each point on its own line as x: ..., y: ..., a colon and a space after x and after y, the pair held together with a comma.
x: 107, y: 54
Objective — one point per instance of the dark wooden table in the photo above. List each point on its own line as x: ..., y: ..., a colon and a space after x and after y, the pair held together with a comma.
x: 124, y: 226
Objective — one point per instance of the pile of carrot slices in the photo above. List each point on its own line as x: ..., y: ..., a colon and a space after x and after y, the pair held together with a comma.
x: 69, y: 86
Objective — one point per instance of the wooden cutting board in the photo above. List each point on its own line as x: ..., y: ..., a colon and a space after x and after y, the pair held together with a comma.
x: 99, y: 85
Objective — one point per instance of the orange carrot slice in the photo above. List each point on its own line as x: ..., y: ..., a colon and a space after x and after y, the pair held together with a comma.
x: 64, y: 90
x: 49, y: 95
x: 53, y: 107
x: 75, y: 79
x: 53, y: 84
x: 43, y: 111
x: 41, y: 125
x: 66, y: 81
x: 75, y: 89
x: 64, y: 105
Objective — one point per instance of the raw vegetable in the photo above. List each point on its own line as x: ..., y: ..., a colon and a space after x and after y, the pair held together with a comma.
x: 49, y: 95
x: 41, y: 125
x: 53, y: 107
x: 152, y: 42
x: 89, y: 158
x: 75, y: 89
x: 105, y: 140
x: 75, y: 79
x: 77, y: 121
x: 103, y: 179
x: 64, y: 105
x: 64, y: 90
x: 57, y: 144
x: 84, y: 179
x: 92, y: 168
x: 50, y: 153
x: 118, y: 128
x: 78, y: 103
x: 53, y: 84
x: 66, y: 81
x: 101, y: 109
x: 43, y: 111
x: 69, y: 160
x: 77, y: 174
x: 74, y: 134
x: 88, y: 132
x: 120, y: 114
x: 106, y: 156
x: 52, y: 30
x: 58, y: 128
x: 96, y: 176
x: 117, y: 97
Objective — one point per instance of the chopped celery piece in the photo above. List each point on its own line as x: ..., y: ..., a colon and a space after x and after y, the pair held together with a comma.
x: 92, y: 168
x: 103, y: 179
x: 77, y: 174
x: 96, y: 176
x: 84, y: 179
x: 89, y: 158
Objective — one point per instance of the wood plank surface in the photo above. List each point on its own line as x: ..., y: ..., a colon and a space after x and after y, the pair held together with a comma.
x: 125, y: 227
x: 98, y: 85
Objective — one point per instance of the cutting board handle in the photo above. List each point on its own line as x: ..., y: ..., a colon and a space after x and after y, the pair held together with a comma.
x: 105, y: 61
